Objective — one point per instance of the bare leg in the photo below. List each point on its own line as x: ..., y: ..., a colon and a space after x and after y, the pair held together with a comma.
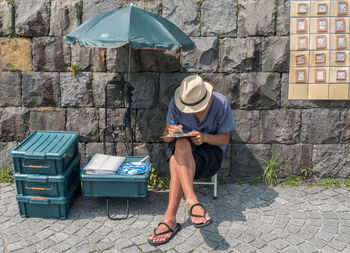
x: 186, y: 168
x: 175, y: 194
x: 182, y: 170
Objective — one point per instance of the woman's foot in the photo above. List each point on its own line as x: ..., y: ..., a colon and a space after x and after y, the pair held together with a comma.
x: 199, y: 216
x: 164, y: 232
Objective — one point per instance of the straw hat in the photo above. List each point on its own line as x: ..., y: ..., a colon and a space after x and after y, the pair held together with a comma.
x: 193, y: 95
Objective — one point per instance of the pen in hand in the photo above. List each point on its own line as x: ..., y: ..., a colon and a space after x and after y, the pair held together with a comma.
x: 177, y: 130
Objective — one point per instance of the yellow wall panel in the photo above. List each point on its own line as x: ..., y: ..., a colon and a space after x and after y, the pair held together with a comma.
x: 318, y: 91
x: 338, y: 91
x: 298, y: 91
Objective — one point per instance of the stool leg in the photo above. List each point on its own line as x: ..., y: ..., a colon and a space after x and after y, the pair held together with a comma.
x: 215, y: 180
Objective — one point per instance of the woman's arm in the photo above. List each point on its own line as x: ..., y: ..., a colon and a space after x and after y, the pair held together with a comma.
x: 213, y: 139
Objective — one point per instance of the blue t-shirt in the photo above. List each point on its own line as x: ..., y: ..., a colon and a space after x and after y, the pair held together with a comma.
x: 218, y: 120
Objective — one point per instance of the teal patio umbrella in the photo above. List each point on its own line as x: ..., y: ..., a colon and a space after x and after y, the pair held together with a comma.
x: 130, y: 25
x: 133, y: 26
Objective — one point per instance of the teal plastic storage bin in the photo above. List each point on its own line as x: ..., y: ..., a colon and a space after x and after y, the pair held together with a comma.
x: 116, y: 185
x: 48, y: 186
x: 45, y: 152
x: 48, y: 207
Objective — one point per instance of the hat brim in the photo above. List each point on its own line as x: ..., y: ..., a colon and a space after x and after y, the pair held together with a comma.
x: 196, y: 108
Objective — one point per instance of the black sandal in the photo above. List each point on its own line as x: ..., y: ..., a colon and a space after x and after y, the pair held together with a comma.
x: 203, y: 224
x: 176, y: 229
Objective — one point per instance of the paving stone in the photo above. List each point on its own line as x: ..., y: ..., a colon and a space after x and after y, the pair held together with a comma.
x: 57, y: 227
x: 330, y: 229
x: 95, y: 237
x: 104, y: 245
x: 338, y: 245
x: 133, y: 249
x: 71, y: 229
x: 278, y: 244
x: 87, y: 248
x: 295, y: 240
x: 31, y: 249
x: 84, y: 232
x: 319, y: 244
x: 46, y: 243
x: 268, y: 249
x: 245, y: 248
x: 28, y: 241
x: 246, y: 238
x: 61, y: 247
x: 114, y: 235
x: 290, y: 249
x: 281, y: 221
x: 59, y: 237
x: 183, y: 248
x: 104, y: 230
x: 258, y: 243
x: 343, y: 237
x: 45, y: 233
x: 124, y: 242
x: 73, y: 240
x: 268, y: 237
x: 147, y: 247
x: 281, y: 233
x: 306, y: 247
x: 14, y: 246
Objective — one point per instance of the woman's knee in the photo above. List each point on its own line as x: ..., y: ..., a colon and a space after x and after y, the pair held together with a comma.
x: 183, y: 146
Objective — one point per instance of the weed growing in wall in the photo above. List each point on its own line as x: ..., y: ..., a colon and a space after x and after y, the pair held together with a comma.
x: 6, y: 175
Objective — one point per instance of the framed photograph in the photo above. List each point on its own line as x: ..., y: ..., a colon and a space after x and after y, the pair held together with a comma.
x: 300, y: 59
x: 302, y: 42
x: 340, y: 57
x: 342, y: 8
x: 320, y: 58
x: 321, y: 42
x: 300, y: 75
x: 339, y: 25
x: 322, y: 25
x: 321, y: 8
x: 341, y: 74
x: 302, y: 8
x: 301, y: 25
x: 341, y: 41
x: 320, y: 75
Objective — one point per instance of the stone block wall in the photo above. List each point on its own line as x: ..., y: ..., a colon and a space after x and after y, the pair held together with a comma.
x: 242, y: 49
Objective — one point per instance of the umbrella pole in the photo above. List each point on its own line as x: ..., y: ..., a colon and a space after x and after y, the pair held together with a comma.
x: 129, y: 95
x: 129, y: 63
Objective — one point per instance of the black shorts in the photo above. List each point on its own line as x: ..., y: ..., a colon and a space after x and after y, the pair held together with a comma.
x: 207, y: 158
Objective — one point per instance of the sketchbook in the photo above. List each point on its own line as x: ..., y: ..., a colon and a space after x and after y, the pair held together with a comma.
x: 177, y: 135
x: 104, y: 164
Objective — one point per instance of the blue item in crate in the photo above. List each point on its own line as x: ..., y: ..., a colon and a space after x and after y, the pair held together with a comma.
x: 45, y: 152
x: 131, y: 169
x: 48, y: 186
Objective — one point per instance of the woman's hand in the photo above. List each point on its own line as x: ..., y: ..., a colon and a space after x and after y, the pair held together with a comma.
x: 173, y: 129
x: 198, y: 138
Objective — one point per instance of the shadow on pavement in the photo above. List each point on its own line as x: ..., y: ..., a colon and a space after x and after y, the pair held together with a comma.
x: 230, y: 207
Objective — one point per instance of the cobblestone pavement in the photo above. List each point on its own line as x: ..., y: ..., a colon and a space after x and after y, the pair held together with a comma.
x: 246, y: 219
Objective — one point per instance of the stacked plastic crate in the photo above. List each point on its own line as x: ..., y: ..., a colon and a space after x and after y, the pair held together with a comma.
x: 47, y: 165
